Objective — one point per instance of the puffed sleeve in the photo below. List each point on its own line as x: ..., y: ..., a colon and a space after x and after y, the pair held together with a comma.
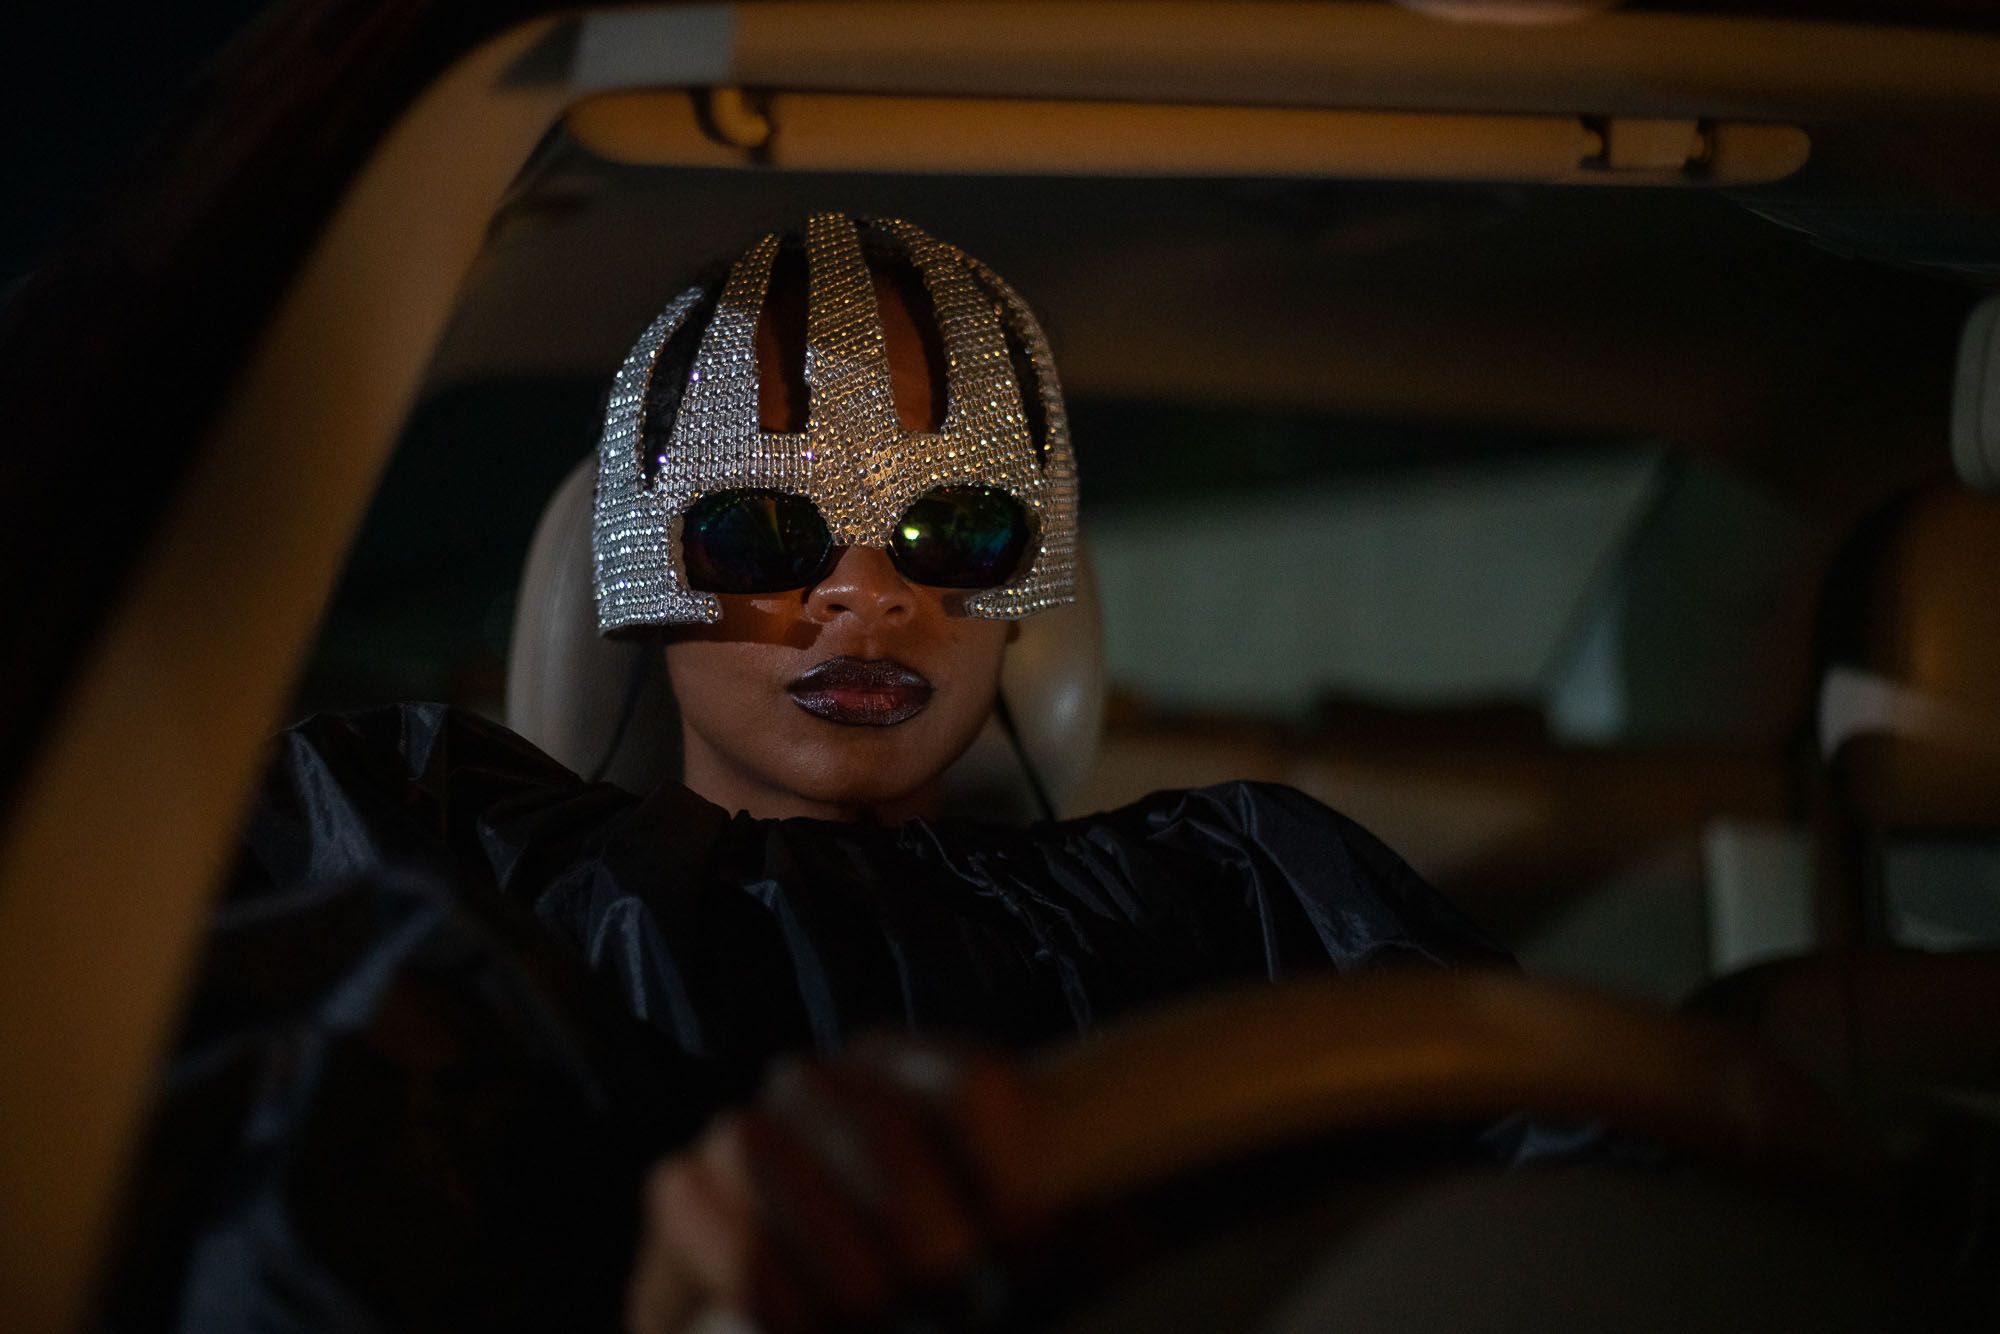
x: 1282, y: 881
x: 397, y: 1102
x: 421, y: 785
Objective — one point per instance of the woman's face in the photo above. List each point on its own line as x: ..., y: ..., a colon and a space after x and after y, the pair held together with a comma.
x: 846, y: 700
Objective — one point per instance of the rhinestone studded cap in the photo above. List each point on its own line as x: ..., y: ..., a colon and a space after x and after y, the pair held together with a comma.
x: 854, y: 460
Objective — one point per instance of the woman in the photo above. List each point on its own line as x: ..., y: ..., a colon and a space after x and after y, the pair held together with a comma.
x: 467, y: 1021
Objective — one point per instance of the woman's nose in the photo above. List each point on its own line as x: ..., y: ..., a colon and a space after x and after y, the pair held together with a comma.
x: 863, y: 583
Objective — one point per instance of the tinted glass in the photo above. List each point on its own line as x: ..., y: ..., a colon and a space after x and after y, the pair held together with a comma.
x: 753, y: 542
x: 962, y: 537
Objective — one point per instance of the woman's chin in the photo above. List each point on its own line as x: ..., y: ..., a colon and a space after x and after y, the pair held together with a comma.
x: 862, y: 791
x: 868, y: 772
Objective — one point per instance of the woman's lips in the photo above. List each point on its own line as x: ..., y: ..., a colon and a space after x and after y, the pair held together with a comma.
x: 861, y: 692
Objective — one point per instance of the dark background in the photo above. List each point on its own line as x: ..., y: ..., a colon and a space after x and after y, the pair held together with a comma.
x: 82, y: 83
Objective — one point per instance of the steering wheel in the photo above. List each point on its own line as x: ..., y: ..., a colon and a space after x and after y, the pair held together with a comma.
x: 1191, y: 1085
x: 1204, y: 1085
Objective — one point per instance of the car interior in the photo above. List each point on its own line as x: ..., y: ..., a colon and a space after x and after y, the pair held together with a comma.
x: 1566, y: 442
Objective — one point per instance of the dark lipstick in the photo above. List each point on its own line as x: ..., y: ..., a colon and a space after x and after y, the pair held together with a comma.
x: 861, y: 692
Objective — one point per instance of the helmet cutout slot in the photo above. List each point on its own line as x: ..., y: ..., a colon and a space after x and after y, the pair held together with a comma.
x: 911, y: 338
x: 781, y: 343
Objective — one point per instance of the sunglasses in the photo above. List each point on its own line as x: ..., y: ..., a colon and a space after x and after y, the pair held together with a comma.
x: 764, y: 541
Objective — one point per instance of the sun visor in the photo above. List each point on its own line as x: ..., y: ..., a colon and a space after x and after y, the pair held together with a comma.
x: 1975, y: 403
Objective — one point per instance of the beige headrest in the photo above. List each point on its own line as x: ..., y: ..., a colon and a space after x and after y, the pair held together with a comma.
x: 1916, y: 721
x: 1975, y: 399
x: 568, y: 687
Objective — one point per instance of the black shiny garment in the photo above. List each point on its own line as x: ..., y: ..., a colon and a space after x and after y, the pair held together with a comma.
x: 456, y: 999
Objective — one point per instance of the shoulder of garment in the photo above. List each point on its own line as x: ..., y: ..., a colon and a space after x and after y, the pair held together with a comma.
x: 733, y: 934
x: 395, y: 1101
x: 1015, y: 935
x: 410, y: 1073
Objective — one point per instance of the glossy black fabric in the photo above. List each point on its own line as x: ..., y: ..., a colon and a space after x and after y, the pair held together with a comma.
x: 456, y: 999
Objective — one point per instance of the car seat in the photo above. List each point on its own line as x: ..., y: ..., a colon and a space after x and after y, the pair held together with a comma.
x: 1908, y: 733
x: 1909, y: 739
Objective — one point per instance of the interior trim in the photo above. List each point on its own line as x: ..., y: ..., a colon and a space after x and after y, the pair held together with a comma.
x: 1015, y: 136
x: 124, y: 822
x: 1311, y: 53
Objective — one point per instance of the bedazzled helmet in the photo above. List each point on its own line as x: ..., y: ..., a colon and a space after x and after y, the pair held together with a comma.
x: 1003, y: 425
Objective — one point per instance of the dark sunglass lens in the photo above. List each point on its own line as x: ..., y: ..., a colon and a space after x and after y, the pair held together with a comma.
x: 962, y: 537
x: 753, y: 542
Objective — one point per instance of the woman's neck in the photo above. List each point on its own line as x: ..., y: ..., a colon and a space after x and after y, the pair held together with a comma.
x: 733, y: 788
